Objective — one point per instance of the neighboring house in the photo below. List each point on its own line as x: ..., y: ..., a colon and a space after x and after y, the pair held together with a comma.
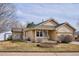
x: 77, y: 35
x: 5, y: 35
x: 46, y: 30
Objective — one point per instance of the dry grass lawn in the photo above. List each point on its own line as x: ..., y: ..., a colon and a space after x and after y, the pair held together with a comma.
x: 23, y: 46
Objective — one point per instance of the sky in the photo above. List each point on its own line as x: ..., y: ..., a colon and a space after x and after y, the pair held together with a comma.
x: 36, y: 12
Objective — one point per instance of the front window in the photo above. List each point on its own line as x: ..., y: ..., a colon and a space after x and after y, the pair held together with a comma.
x: 37, y: 34
x: 41, y: 33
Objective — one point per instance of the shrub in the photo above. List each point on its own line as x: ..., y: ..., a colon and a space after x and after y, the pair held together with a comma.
x: 66, y: 39
x: 60, y: 38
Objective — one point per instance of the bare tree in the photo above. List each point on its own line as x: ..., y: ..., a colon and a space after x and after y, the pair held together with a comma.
x: 7, y: 10
x: 7, y: 17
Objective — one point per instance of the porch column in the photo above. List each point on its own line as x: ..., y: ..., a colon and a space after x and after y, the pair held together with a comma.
x: 35, y: 36
x: 56, y: 36
x: 24, y: 35
x: 47, y: 34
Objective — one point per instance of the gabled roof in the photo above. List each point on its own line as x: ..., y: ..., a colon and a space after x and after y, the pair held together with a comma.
x: 48, y: 27
x: 36, y: 26
x: 67, y: 25
x: 48, y: 20
x: 45, y: 26
x: 51, y: 27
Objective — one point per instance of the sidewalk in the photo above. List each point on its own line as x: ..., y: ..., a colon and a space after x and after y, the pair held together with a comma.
x: 37, y: 54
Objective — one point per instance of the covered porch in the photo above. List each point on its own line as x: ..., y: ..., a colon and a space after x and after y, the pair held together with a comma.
x: 45, y: 35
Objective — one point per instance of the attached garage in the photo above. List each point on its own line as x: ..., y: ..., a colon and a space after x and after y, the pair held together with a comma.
x: 65, y: 30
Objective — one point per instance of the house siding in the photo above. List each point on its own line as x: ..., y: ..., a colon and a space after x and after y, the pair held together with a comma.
x: 31, y: 35
x: 17, y: 36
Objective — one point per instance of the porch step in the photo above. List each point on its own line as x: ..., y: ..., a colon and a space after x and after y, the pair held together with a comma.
x: 49, y: 42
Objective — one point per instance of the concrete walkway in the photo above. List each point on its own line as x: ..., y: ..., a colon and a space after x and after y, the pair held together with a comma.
x: 37, y: 54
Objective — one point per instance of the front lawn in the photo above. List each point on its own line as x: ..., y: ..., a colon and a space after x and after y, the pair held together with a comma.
x: 23, y: 46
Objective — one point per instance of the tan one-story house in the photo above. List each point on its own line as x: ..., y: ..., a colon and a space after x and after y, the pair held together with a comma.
x: 46, y: 30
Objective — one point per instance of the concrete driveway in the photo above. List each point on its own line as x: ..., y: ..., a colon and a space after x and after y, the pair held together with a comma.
x: 37, y: 54
x: 75, y: 42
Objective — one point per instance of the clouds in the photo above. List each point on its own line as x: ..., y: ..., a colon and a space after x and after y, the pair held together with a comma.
x: 57, y: 10
x: 24, y: 17
x: 37, y: 12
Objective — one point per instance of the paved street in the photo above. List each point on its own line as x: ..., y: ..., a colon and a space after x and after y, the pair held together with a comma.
x: 37, y: 54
